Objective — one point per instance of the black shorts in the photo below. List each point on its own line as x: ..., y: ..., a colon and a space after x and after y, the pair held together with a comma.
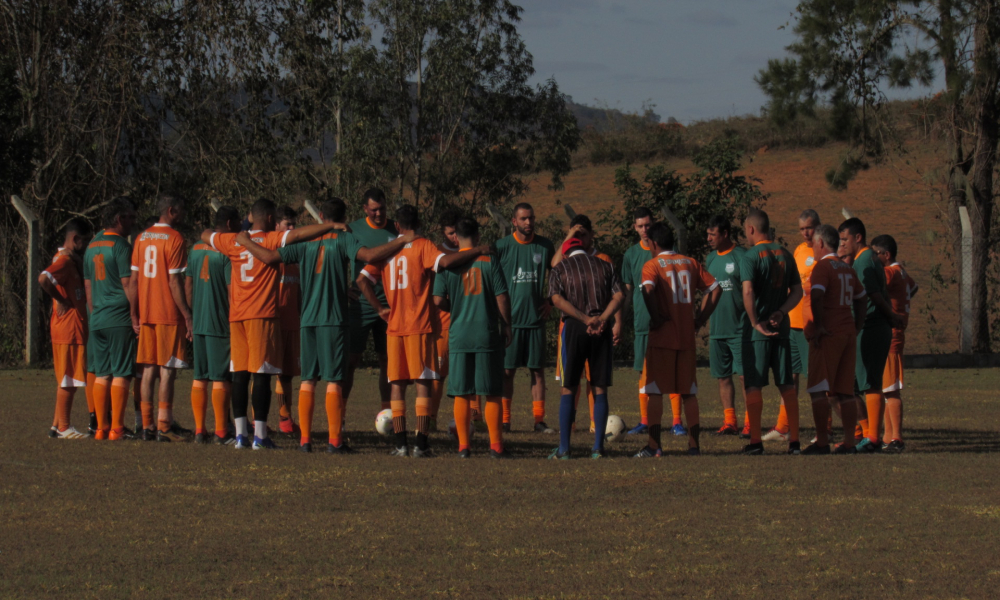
x: 579, y: 348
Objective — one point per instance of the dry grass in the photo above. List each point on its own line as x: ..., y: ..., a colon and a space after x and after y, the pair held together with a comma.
x: 120, y: 520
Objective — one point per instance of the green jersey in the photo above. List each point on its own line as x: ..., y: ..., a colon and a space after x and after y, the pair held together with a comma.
x: 729, y: 319
x: 635, y: 258
x: 324, y: 276
x: 370, y: 237
x: 210, y: 273
x: 772, y: 271
x: 472, y: 291
x: 871, y: 274
x: 107, y: 260
x: 524, y: 265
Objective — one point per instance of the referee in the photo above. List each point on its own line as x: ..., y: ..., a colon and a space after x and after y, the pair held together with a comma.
x: 587, y: 291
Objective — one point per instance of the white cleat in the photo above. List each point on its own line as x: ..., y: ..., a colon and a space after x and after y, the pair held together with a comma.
x: 775, y: 436
x: 70, y: 433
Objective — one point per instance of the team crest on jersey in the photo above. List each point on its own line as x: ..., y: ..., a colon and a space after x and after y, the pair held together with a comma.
x: 809, y: 261
x: 730, y: 268
x: 537, y: 257
x: 662, y: 262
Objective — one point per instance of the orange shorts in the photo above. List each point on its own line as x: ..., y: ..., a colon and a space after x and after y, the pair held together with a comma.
x: 162, y: 345
x: 668, y: 371
x: 291, y: 365
x: 831, y: 365
x: 255, y: 346
x: 441, y: 342
x: 70, y: 361
x: 412, y: 357
x: 892, y: 379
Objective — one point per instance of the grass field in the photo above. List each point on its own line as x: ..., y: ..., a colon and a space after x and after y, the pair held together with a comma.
x: 86, y: 519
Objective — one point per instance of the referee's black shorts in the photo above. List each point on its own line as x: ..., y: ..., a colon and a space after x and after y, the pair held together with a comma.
x: 580, y: 349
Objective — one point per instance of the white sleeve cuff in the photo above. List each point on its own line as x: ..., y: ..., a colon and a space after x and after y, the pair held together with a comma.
x: 135, y: 268
x: 817, y: 286
x: 860, y: 295
x: 712, y: 287
x: 51, y: 278
x: 285, y: 237
x: 211, y: 241
x: 176, y: 271
x: 437, y: 261
x: 370, y: 277
x: 651, y: 283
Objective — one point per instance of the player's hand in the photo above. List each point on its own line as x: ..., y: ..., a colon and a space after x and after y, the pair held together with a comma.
x: 384, y: 314
x: 242, y: 238
x: 341, y: 227
x: 409, y: 236
x: 573, y: 231
x: 61, y: 308
x: 189, y: 322
x: 484, y: 249
x: 135, y: 325
x: 775, y: 320
x: 508, y: 335
x: 616, y: 332
x: 353, y: 293
x: 896, y: 320
x: 762, y: 328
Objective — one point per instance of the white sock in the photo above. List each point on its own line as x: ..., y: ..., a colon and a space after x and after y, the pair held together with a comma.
x: 260, y: 429
x: 241, y: 426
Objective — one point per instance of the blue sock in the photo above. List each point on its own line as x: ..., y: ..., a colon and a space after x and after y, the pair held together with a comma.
x: 567, y: 414
x: 600, y: 420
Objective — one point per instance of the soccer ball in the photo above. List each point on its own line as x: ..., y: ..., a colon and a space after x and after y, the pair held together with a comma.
x: 615, y: 429
x: 383, y: 422
x: 453, y: 430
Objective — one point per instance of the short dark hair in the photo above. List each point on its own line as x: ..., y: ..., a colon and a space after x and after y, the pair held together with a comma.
x: 759, y: 220
x: 262, y: 208
x: 722, y: 224
x: 226, y: 215
x: 853, y: 226
x: 80, y: 226
x: 116, y: 208
x: 810, y: 215
x: 287, y: 213
x: 642, y: 213
x: 408, y: 217
x: 522, y: 206
x: 581, y: 220
x: 450, y: 217
x: 373, y: 194
x: 165, y: 202
x: 333, y: 209
x: 467, y: 228
x: 662, y: 235
x: 151, y: 220
x: 887, y: 243
x: 829, y: 236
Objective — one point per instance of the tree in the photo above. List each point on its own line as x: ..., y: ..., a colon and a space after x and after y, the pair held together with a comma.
x: 848, y: 52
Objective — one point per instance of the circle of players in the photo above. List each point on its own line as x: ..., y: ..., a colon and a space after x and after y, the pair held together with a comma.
x: 252, y: 300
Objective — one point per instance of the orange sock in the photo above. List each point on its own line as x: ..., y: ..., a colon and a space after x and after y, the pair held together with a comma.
x: 654, y: 408
x: 334, y: 413
x: 644, y: 409
x: 861, y: 428
x: 746, y: 416
x: 790, y: 408
x: 782, y: 424
x: 307, y: 401
x: 875, y: 410
x: 538, y: 410
x: 119, y: 399
x: 64, y: 406
x: 199, y: 404
x: 163, y: 416
x: 101, y: 399
x: 590, y: 399
x: 462, y: 416
x: 494, y: 423
x: 675, y: 407
x: 91, y: 406
x: 506, y: 409
x: 220, y: 406
x: 730, y: 416
x: 755, y: 408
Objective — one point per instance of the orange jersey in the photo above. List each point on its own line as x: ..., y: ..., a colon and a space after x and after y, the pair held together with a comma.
x: 289, y: 305
x: 674, y: 278
x: 255, y: 284
x: 407, y: 279
x: 158, y: 253
x: 805, y: 261
x: 900, y: 287
x: 841, y: 288
x: 71, y: 327
x: 441, y: 319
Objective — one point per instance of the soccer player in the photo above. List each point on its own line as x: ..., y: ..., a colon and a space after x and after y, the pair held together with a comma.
x: 901, y: 288
x: 441, y: 319
x: 158, y: 263
x: 289, y: 306
x: 771, y: 288
x: 476, y: 297
x: 729, y: 320
x: 798, y: 318
x: 254, y: 335
x: 209, y: 275
x: 837, y: 314
x: 374, y: 229
x: 63, y: 281
x: 669, y: 281
x: 588, y: 292
x: 326, y: 266
x: 875, y: 337
x: 111, y: 347
x: 525, y: 259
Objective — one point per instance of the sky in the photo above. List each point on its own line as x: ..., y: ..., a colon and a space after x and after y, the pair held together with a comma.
x: 693, y: 59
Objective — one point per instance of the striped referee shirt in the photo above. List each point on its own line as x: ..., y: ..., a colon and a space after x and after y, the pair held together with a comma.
x: 585, y: 281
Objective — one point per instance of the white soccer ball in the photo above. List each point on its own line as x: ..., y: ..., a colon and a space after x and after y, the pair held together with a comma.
x: 615, y: 429
x: 383, y: 422
x: 453, y: 431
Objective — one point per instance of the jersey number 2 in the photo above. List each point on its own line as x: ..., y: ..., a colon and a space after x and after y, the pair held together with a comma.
x: 247, y: 265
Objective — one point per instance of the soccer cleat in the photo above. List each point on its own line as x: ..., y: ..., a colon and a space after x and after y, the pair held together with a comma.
x: 774, y: 436
x: 894, y: 447
x: 794, y: 448
x: 502, y: 455
x: 696, y: 451
x: 842, y: 449
x: 816, y: 449
x: 541, y: 427
x: 169, y: 436
x: 648, y: 452
x: 402, y: 452
x: 226, y: 440
x: 137, y: 424
x: 678, y: 429
x: 753, y: 449
x: 506, y: 427
x: 343, y: 448
x: 596, y: 454
x: 178, y: 430
x: 306, y: 447
x: 70, y: 433
x: 263, y: 444
x: 640, y: 429
x: 124, y: 434
x: 242, y: 443
x: 745, y: 433
x: 202, y: 438
x: 92, y: 427
x: 813, y: 440
x: 425, y: 453
x: 100, y: 434
x: 149, y: 435
x: 556, y: 455
x: 53, y: 432
x: 866, y: 446
x: 464, y: 453
x: 727, y: 430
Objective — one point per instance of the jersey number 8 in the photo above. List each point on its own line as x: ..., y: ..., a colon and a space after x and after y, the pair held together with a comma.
x: 149, y: 267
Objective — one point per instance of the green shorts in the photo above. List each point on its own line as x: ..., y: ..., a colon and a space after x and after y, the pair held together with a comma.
x: 725, y: 356
x: 874, y: 341
x: 211, y: 358
x: 479, y: 373
x: 360, y: 327
x: 527, y: 349
x: 112, y: 352
x: 639, y: 349
x: 800, y: 351
x: 761, y: 356
x: 324, y: 353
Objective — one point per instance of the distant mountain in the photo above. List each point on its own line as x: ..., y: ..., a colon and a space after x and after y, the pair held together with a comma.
x: 601, y: 118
